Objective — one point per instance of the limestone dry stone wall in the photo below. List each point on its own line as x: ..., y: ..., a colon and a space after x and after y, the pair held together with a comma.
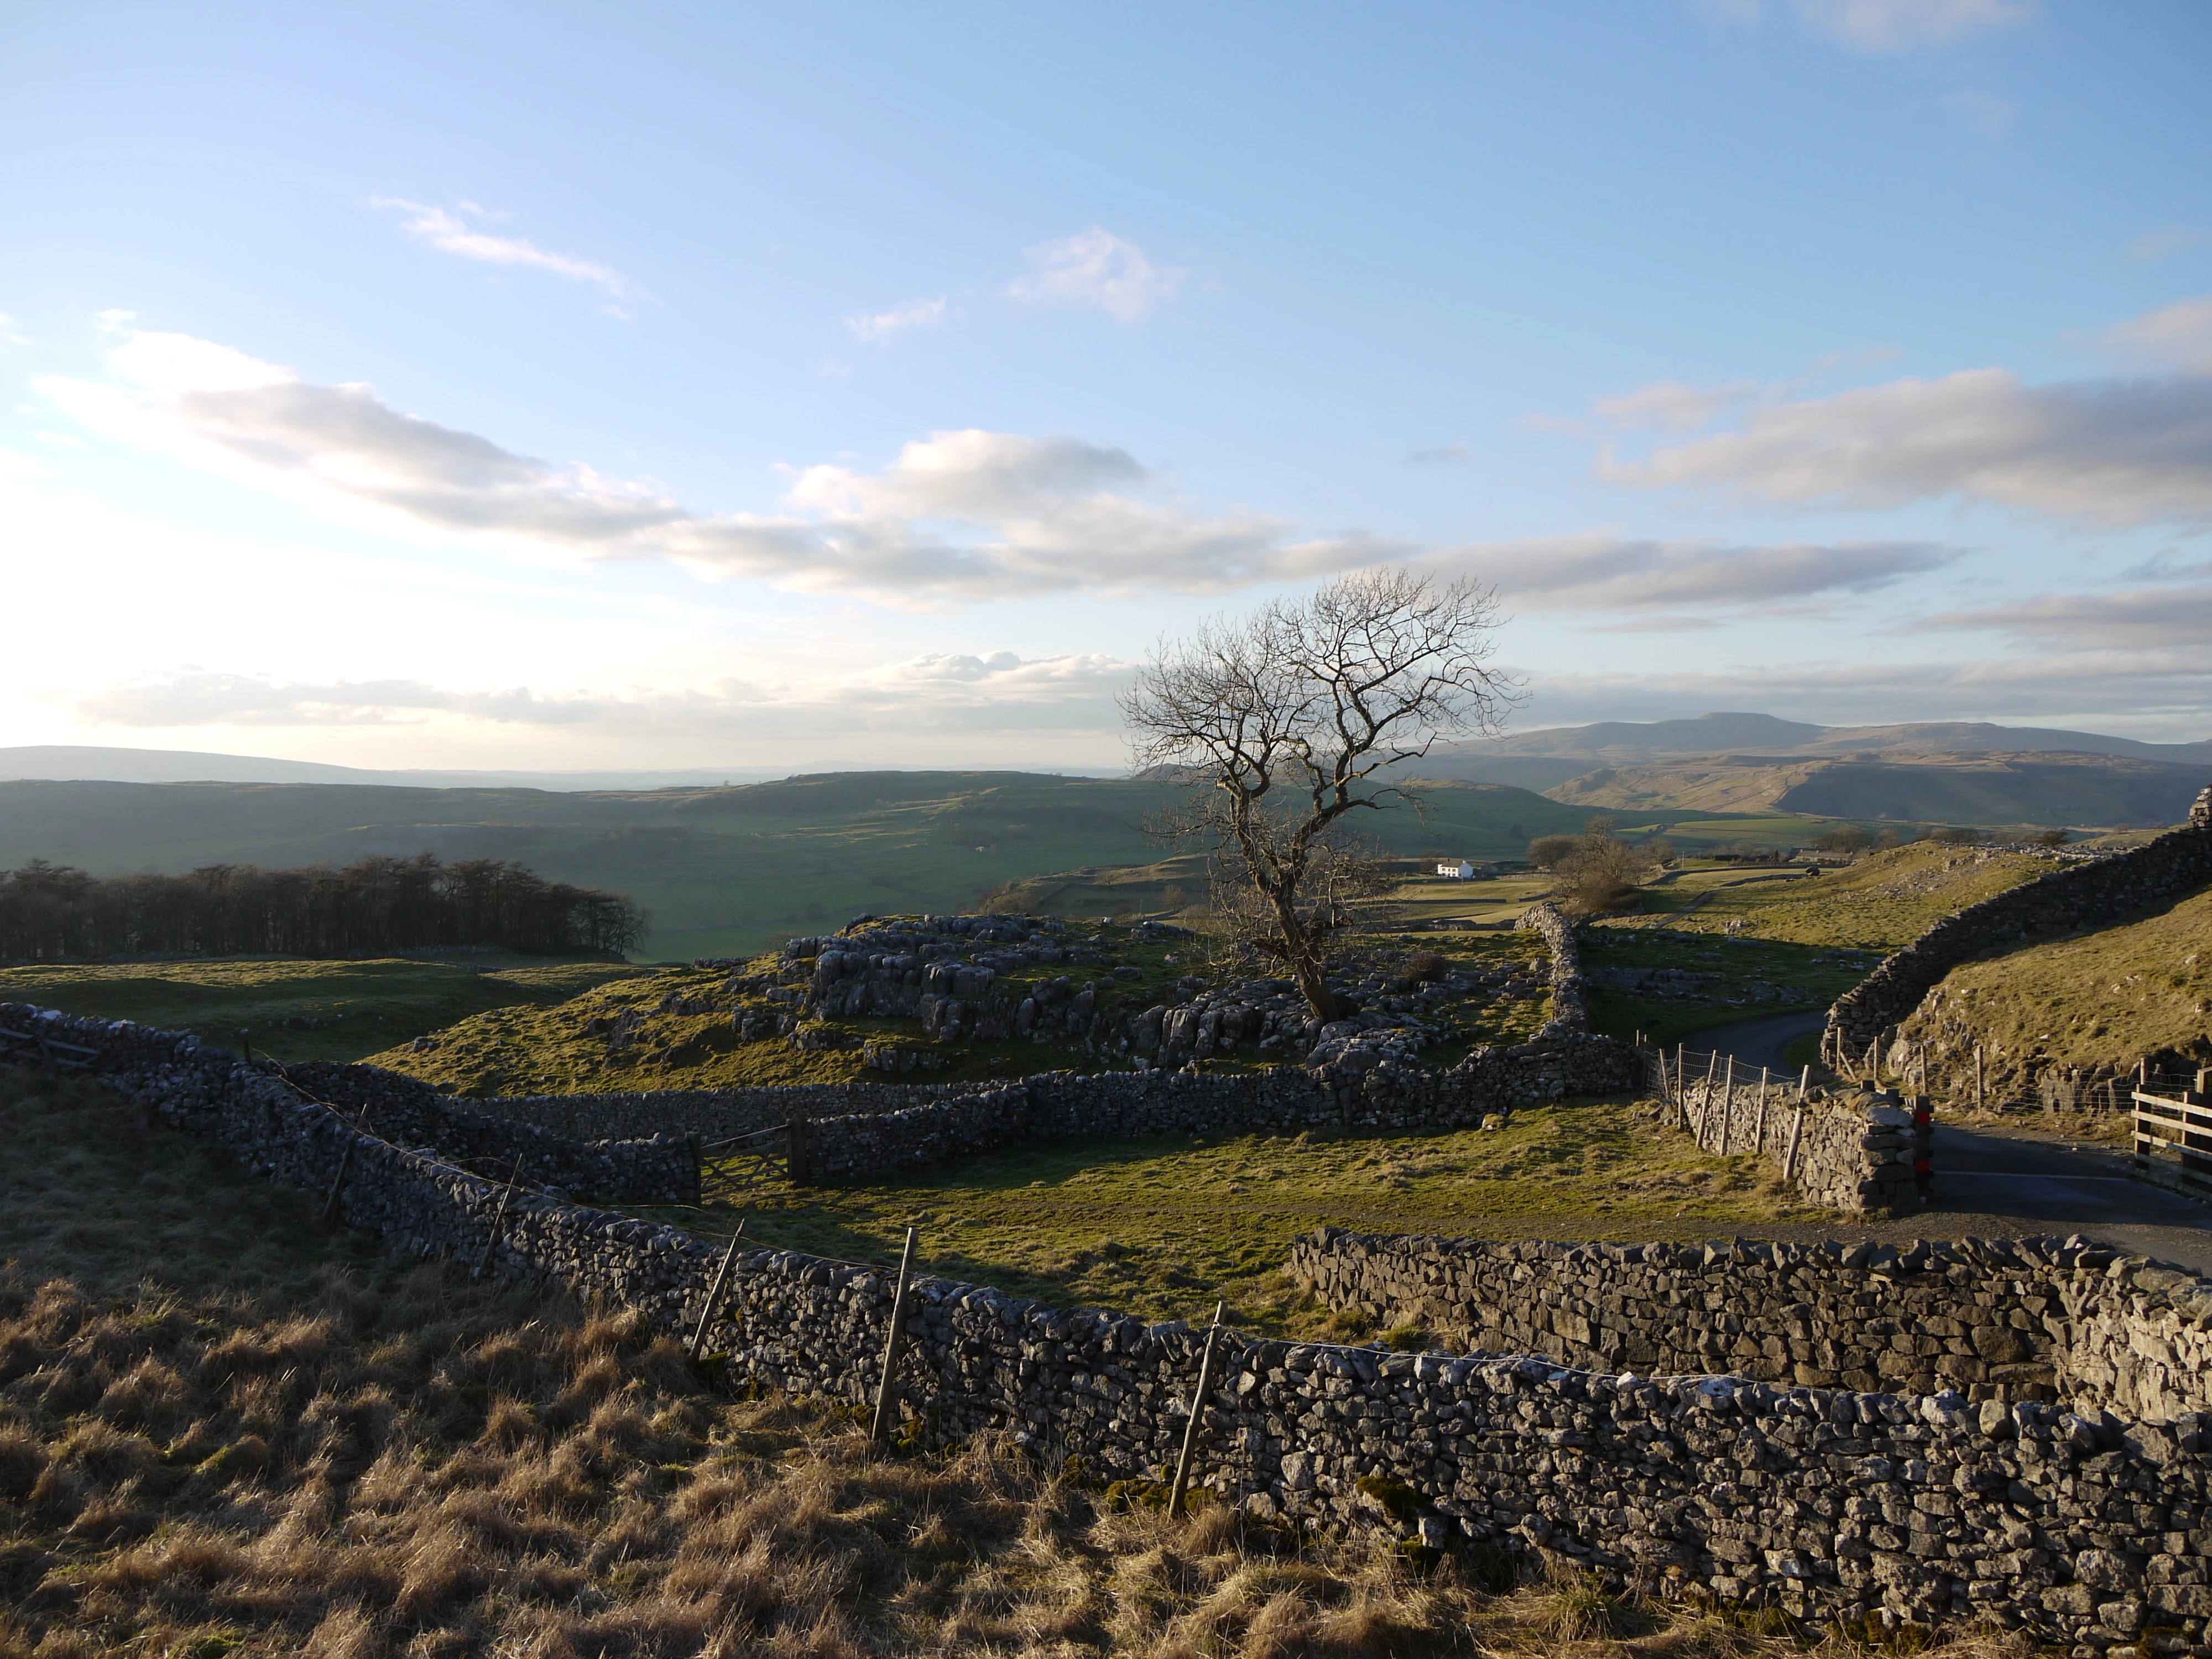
x: 1831, y: 1505
x: 2080, y: 895
x: 1859, y: 1150
x: 2012, y: 1319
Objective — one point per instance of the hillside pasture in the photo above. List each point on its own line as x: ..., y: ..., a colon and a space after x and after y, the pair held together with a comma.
x: 2097, y: 1001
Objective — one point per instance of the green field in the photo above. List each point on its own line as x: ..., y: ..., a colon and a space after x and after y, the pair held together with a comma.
x: 295, y: 1010
x: 1884, y: 901
x: 1160, y: 1228
x: 724, y: 871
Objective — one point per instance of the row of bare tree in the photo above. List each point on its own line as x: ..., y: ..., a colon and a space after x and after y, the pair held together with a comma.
x: 52, y: 912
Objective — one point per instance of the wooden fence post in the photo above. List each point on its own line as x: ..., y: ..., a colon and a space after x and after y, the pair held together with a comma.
x: 345, y: 1158
x: 1681, y: 1085
x: 498, y: 1219
x: 714, y: 1295
x: 1727, y: 1108
x: 1758, y: 1123
x: 893, y: 1342
x: 1797, y: 1127
x: 796, y: 1163
x: 1197, y: 1413
x: 1979, y: 1099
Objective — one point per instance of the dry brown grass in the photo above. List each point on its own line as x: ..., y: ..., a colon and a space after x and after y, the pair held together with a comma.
x: 225, y: 1432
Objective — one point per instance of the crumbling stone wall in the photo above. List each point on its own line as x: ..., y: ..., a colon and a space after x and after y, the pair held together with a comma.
x: 2013, y: 1319
x: 1832, y: 1505
x: 385, y: 1107
x: 2082, y: 895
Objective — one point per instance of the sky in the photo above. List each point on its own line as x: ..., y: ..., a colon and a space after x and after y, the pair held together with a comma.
x: 804, y: 388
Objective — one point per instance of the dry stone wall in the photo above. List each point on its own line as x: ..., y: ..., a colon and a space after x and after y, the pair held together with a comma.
x: 2015, y: 1319
x: 1832, y: 1505
x: 1859, y: 1150
x: 2081, y: 896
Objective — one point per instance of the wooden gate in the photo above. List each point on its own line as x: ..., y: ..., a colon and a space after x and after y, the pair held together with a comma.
x: 26, y: 1045
x: 737, y: 1165
x: 2173, y: 1138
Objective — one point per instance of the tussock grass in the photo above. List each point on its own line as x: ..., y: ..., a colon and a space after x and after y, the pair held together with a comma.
x: 224, y: 1431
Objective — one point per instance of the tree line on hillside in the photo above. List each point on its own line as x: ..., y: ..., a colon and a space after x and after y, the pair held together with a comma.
x: 52, y: 912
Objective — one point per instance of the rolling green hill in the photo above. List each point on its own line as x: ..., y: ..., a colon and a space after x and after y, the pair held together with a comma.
x: 724, y: 870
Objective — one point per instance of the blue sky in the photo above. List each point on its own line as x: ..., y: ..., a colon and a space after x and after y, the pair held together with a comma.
x: 798, y: 388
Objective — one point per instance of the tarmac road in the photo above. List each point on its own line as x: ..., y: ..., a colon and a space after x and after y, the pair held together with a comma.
x: 1999, y: 1182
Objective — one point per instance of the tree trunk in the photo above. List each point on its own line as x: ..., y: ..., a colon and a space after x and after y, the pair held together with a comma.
x: 1305, y: 963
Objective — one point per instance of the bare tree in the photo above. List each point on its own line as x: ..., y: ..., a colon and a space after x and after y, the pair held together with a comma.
x: 1286, y: 722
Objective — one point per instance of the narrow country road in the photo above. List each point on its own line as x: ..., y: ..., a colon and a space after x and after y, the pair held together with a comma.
x: 1999, y: 1180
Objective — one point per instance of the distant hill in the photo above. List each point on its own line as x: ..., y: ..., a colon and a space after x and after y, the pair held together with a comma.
x: 1956, y: 772
x: 1638, y: 742
x: 720, y: 870
x: 1941, y: 788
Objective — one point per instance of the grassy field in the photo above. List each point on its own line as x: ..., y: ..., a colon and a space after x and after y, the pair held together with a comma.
x: 298, y: 1009
x: 724, y: 871
x: 1164, y: 1227
x: 692, y: 1043
x: 2105, y: 998
x: 1738, y: 978
x: 229, y: 1433
x: 1883, y: 901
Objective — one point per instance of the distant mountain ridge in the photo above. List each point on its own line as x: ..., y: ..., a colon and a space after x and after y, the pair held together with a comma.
x: 1764, y: 734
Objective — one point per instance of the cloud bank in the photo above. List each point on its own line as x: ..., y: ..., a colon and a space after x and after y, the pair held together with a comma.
x: 2118, y: 450
x: 964, y: 693
x: 957, y: 515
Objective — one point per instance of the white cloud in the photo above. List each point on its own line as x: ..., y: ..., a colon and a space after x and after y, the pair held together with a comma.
x: 2178, y: 337
x: 878, y: 330
x: 2115, y: 450
x: 938, y: 692
x: 1672, y: 405
x: 957, y: 515
x: 1887, y: 26
x: 8, y: 334
x: 2138, y: 618
x: 1601, y: 573
x: 1095, y: 267
x: 2160, y: 244
x: 450, y: 235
